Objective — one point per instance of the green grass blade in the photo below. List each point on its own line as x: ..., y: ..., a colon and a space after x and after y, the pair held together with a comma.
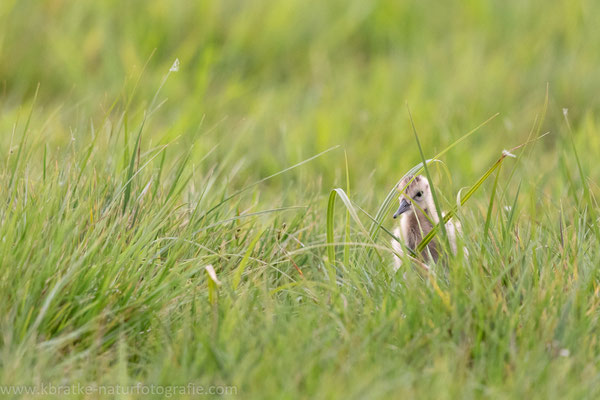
x: 511, y: 215
x: 237, y: 277
x: 330, y: 231
x: 488, y: 217
x: 347, y: 223
x: 330, y: 237
x: 431, y: 183
x: 129, y: 180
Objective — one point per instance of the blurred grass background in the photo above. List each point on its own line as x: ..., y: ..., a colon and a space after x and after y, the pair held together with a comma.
x: 263, y: 86
x: 332, y: 72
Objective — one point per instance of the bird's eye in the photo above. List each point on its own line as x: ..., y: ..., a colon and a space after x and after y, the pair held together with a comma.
x: 419, y: 194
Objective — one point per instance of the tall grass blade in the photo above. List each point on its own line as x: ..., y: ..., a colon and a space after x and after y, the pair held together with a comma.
x: 586, y: 190
x: 488, y: 217
x: 237, y: 277
x: 431, y: 183
x: 129, y: 180
x: 330, y: 222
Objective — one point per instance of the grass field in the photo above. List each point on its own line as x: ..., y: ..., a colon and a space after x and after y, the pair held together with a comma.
x: 123, y: 181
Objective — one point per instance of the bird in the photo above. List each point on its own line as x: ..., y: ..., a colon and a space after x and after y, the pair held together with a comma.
x: 418, y: 217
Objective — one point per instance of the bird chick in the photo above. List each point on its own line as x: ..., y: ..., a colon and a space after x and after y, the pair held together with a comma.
x: 418, y: 217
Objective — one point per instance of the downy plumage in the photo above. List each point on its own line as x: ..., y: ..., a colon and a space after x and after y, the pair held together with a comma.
x: 418, y: 217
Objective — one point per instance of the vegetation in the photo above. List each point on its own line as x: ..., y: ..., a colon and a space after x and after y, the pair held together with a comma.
x: 175, y: 224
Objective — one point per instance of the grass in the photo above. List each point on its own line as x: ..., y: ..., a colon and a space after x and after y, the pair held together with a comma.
x: 124, y: 181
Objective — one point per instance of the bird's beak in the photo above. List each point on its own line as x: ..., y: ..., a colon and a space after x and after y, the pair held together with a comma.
x: 404, y: 206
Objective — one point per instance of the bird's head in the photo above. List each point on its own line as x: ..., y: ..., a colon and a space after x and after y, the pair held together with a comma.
x: 416, y: 194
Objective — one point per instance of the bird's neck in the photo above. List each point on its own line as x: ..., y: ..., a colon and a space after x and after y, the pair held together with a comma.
x: 431, y: 212
x: 425, y: 216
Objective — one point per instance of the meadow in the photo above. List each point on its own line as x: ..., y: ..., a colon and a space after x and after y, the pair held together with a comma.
x: 167, y: 219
